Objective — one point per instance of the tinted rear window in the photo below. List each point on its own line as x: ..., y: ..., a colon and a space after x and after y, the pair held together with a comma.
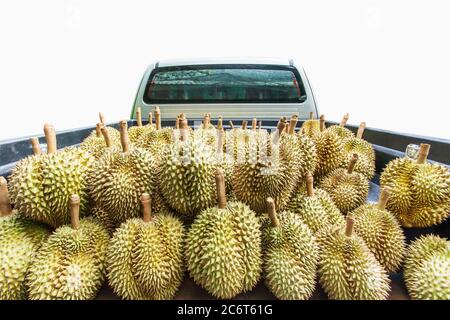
x: 224, y: 84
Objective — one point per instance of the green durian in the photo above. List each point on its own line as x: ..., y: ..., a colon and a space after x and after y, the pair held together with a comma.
x: 19, y: 240
x: 420, y: 191
x: 101, y: 139
x: 347, y: 188
x: 290, y: 255
x: 427, y: 268
x: 311, y: 128
x: 136, y: 133
x: 120, y: 178
x: 348, y: 270
x: 315, y: 207
x: 381, y: 232
x: 223, y: 247
x: 340, y: 130
x: 145, y: 256
x: 70, y: 265
x: 330, y: 153
x: 41, y: 184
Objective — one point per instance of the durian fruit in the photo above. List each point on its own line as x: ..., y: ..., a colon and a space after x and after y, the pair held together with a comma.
x: 40, y: 185
x: 136, y: 133
x: 267, y: 167
x: 70, y: 265
x: 113, y: 132
x: 19, y: 240
x: 206, y: 132
x: 381, y: 232
x: 290, y: 255
x: 186, y: 177
x: 420, y: 191
x: 311, y: 127
x: 150, y: 124
x: 427, y: 268
x: 347, y: 188
x: 364, y: 150
x: 103, y: 139
x: 145, y: 256
x: 348, y: 270
x: 225, y: 161
x: 330, y: 152
x: 315, y: 207
x: 223, y: 247
x: 340, y: 129
x: 120, y: 178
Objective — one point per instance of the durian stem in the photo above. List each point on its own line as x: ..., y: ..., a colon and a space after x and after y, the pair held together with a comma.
x: 75, y: 211
x: 231, y: 124
x: 302, y: 131
x: 220, y: 123
x: 352, y: 163
x: 423, y: 153
x: 244, y: 125
x: 105, y: 134
x: 98, y: 131
x: 311, y: 115
x: 362, y: 127
x: 322, y: 122
x: 344, y: 120
x: 220, y: 134
x: 220, y: 188
x: 309, y: 184
x: 183, y: 129
x: 150, y: 118
x: 286, y: 129
x: 349, y: 226
x: 123, y: 127
x: 146, y: 203
x: 101, y: 116
x: 50, y: 136
x: 35, y: 146
x: 205, y: 121
x: 5, y: 202
x: 254, y: 123
x: 259, y: 124
x: 177, y: 122
x: 293, y: 124
x: 139, y: 117
x: 280, y: 127
x: 158, y: 118
x: 272, y: 212
x: 384, y: 197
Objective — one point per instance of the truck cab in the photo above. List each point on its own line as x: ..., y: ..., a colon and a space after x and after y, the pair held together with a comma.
x: 233, y: 88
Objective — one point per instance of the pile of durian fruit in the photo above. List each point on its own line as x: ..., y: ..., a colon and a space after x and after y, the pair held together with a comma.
x: 141, y: 207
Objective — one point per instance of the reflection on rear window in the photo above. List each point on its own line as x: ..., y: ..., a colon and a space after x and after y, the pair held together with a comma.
x: 216, y: 85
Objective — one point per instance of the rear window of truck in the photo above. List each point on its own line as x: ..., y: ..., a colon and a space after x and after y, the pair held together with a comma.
x: 224, y: 84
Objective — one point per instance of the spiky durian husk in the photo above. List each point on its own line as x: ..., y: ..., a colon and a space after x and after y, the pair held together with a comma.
x: 311, y: 129
x: 348, y: 191
x: 40, y: 186
x: 119, y: 180
x: 70, y: 265
x: 307, y: 155
x: 420, y: 193
x: 266, y: 170
x: 96, y: 145
x: 155, y: 141
x: 382, y: 233
x: 341, y: 132
x: 317, y: 212
x: 20, y: 239
x: 223, y: 250
x: 427, y: 268
x: 226, y: 163
x: 330, y: 153
x: 349, y: 271
x: 207, y: 136
x: 145, y: 259
x: 366, y: 156
x: 290, y: 257
x: 136, y: 133
x: 186, y: 180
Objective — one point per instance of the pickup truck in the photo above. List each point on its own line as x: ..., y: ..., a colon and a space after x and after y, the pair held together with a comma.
x: 239, y: 90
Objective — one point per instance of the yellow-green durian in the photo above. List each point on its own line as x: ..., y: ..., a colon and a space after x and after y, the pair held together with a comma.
x: 310, y: 128
x: 381, y: 232
x: 145, y: 256
x: 70, y: 265
x: 19, y: 240
x: 420, y: 191
x: 290, y: 254
x: 330, y: 153
x: 120, y: 178
x: 41, y: 184
x: 223, y: 247
x: 348, y: 270
x: 427, y: 268
x: 340, y: 130
x: 101, y: 139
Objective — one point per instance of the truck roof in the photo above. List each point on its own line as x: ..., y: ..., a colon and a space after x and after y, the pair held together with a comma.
x: 205, y: 61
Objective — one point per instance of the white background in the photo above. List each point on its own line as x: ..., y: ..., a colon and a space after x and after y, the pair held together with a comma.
x: 385, y: 62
